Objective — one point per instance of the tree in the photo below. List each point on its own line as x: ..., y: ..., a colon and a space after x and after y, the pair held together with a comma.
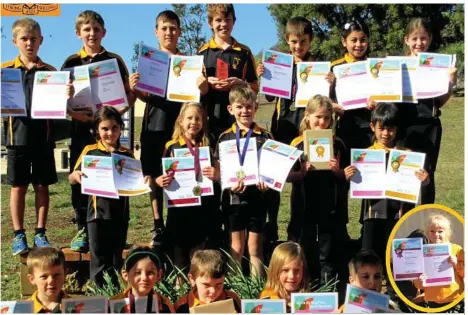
x: 136, y: 52
x: 3, y: 34
x: 192, y: 18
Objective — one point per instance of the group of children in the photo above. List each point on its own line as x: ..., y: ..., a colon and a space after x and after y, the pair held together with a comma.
x: 319, y: 212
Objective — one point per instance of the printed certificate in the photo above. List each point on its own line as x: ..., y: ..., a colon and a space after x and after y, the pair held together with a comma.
x: 386, y: 80
x: 89, y: 304
x: 83, y: 98
x: 16, y: 307
x: 318, y: 145
x: 314, y: 302
x: 263, y: 306
x: 352, y: 84
x: 311, y: 81
x: 408, y: 70
x: 98, y: 179
x: 141, y: 303
x: 360, y: 300
x: 128, y: 176
x: 153, y: 67
x: 180, y: 192
x: 277, y: 79
x: 369, y: 181
x: 49, y: 97
x: 183, y: 74
x: 205, y: 160
x: 438, y: 269
x: 13, y: 100
x: 433, y: 74
x: 407, y: 257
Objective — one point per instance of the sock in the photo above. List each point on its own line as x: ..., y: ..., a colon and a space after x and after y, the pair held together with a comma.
x: 18, y: 232
x: 40, y: 231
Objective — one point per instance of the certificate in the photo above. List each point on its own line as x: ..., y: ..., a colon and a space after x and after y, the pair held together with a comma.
x: 369, y: 180
x: 98, y: 179
x: 432, y: 74
x: 401, y: 181
x: 180, y: 192
x: 205, y: 160
x: 407, y: 257
x: 360, y: 300
x: 272, y: 154
x: 16, y: 307
x: 352, y: 84
x: 314, y: 302
x: 107, y: 86
x: 385, y: 80
x: 311, y: 81
x: 141, y: 305
x: 263, y: 306
x: 90, y: 304
x: 183, y: 74
x: 277, y: 78
x: 409, y: 74
x: 153, y: 67
x: 13, y: 100
x: 49, y: 97
x: 128, y: 176
x: 318, y: 145
x: 438, y: 269
x: 83, y: 99
x: 230, y: 165
x: 218, y: 307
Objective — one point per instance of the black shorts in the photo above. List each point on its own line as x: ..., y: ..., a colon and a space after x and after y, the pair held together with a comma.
x: 187, y: 226
x: 249, y: 217
x: 153, y: 144
x: 27, y: 165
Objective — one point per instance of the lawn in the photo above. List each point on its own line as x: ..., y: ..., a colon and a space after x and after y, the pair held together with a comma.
x: 449, y: 182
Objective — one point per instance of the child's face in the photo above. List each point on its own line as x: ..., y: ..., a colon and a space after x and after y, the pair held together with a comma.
x: 109, y: 132
x: 222, y: 25
x: 291, y: 275
x: 320, y: 119
x: 192, y: 122
x: 437, y: 234
x: 418, y: 41
x: 168, y: 33
x: 299, y: 45
x: 91, y: 34
x: 368, y: 277
x: 142, y: 276
x: 356, y: 44
x: 243, y: 112
x: 208, y: 289
x: 48, y: 280
x: 384, y: 135
x: 28, y: 42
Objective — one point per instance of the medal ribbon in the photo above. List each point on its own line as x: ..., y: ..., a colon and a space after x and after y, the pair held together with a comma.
x: 149, y: 302
x: 246, y: 144
x: 196, y: 154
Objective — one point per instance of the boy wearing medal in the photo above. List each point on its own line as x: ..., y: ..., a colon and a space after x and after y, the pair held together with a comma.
x: 244, y: 207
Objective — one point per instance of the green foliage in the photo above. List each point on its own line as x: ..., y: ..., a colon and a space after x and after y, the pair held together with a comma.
x: 192, y: 17
x: 459, y: 50
x: 136, y: 52
x: 108, y: 289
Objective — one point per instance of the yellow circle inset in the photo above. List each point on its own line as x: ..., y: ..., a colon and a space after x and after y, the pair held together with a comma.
x: 389, y: 250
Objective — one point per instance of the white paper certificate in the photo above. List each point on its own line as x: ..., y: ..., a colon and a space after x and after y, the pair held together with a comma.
x: 433, y: 74
x: 230, y: 165
x: 128, y: 176
x: 13, y: 100
x: 180, y: 191
x: 153, y: 67
x: 314, y: 302
x: 369, y: 181
x: 83, y: 99
x: 88, y: 304
x: 311, y: 81
x: 16, y: 307
x: 106, y: 84
x: 183, y: 74
x: 277, y: 78
x: 408, y: 70
x: 360, y: 300
x: 438, y: 269
x: 407, y: 257
x: 49, y: 97
x: 98, y: 179
x: 273, y: 154
x: 205, y: 160
x: 386, y: 80
x: 401, y: 181
x: 123, y: 305
x: 352, y: 84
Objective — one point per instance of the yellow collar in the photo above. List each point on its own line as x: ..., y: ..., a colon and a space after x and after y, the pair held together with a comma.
x: 235, y: 45
x: 102, y: 147
x: 350, y: 59
x: 256, y: 129
x: 378, y: 146
x: 20, y: 64
x: 39, y: 307
x: 83, y: 54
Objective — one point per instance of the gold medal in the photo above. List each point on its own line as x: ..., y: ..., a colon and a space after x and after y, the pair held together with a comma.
x: 240, y: 175
x: 197, y: 190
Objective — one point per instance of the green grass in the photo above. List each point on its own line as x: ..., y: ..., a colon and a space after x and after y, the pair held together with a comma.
x: 449, y: 183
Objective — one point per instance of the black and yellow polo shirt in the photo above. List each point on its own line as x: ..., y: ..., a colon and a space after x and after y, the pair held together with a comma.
x: 21, y: 131
x: 241, y: 64
x: 165, y: 306
x: 181, y: 144
x: 190, y: 300
x: 100, y: 207
x: 39, y: 308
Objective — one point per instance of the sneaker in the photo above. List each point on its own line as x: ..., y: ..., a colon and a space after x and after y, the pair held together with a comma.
x: 20, y: 244
x: 40, y: 240
x: 156, y: 237
x: 80, y: 242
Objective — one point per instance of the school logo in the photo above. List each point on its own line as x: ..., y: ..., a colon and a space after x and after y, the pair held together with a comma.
x: 30, y: 9
x: 236, y: 63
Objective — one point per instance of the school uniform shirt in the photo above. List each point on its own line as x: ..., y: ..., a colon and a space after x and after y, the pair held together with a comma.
x: 101, y: 207
x: 270, y: 294
x: 25, y: 131
x: 38, y: 307
x: 447, y: 293
x: 165, y: 306
x: 185, y: 303
x: 241, y: 64
x: 287, y: 118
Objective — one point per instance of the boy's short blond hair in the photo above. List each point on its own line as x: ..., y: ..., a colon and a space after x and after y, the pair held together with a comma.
x: 223, y: 9
x: 26, y: 24
x: 298, y: 26
x: 242, y: 94
x: 44, y: 257
x: 208, y: 263
x: 86, y: 17
x: 363, y: 258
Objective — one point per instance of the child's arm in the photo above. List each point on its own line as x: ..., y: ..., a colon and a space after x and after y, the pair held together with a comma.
x: 260, y: 72
x: 75, y: 177
x: 203, y: 86
x: 423, y: 176
x: 349, y: 172
x: 418, y: 283
x: 133, y: 81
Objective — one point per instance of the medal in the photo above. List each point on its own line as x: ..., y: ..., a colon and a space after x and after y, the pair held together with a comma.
x: 240, y: 174
x: 197, y: 190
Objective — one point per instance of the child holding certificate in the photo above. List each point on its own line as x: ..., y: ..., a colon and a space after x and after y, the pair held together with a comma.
x: 319, y: 199
x: 287, y: 273
x: 198, y: 223
x: 438, y: 230
x: 423, y: 129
